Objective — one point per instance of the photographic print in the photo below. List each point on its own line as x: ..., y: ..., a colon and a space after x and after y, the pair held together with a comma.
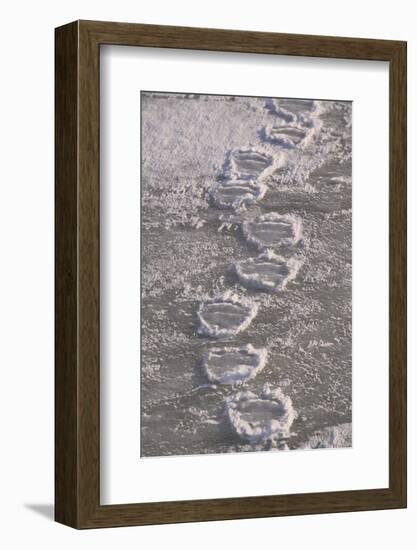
x: 246, y: 274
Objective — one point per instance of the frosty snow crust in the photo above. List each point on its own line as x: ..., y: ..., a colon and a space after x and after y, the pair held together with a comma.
x: 333, y: 437
x: 258, y: 418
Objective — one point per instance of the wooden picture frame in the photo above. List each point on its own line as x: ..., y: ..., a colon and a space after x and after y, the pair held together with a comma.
x: 77, y: 382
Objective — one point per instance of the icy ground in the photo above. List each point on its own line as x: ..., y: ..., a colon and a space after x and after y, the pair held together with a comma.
x: 246, y: 274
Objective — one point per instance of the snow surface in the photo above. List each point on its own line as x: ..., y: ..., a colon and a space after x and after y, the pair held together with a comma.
x: 330, y: 438
x: 246, y: 240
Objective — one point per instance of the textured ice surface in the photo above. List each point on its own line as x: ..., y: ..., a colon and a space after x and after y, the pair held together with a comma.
x: 226, y: 315
x: 267, y: 272
x: 237, y: 194
x: 273, y: 230
x: 331, y: 437
x: 231, y: 365
x: 255, y: 419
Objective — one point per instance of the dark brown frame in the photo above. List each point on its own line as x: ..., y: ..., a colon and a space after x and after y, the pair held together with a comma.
x: 77, y: 373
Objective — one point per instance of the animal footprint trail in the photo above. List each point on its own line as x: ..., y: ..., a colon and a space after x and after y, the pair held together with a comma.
x: 269, y: 416
x: 226, y: 316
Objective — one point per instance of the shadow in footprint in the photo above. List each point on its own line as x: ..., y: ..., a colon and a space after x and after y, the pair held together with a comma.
x: 245, y: 163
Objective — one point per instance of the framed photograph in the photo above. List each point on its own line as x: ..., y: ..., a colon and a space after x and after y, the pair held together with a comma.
x: 230, y: 274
